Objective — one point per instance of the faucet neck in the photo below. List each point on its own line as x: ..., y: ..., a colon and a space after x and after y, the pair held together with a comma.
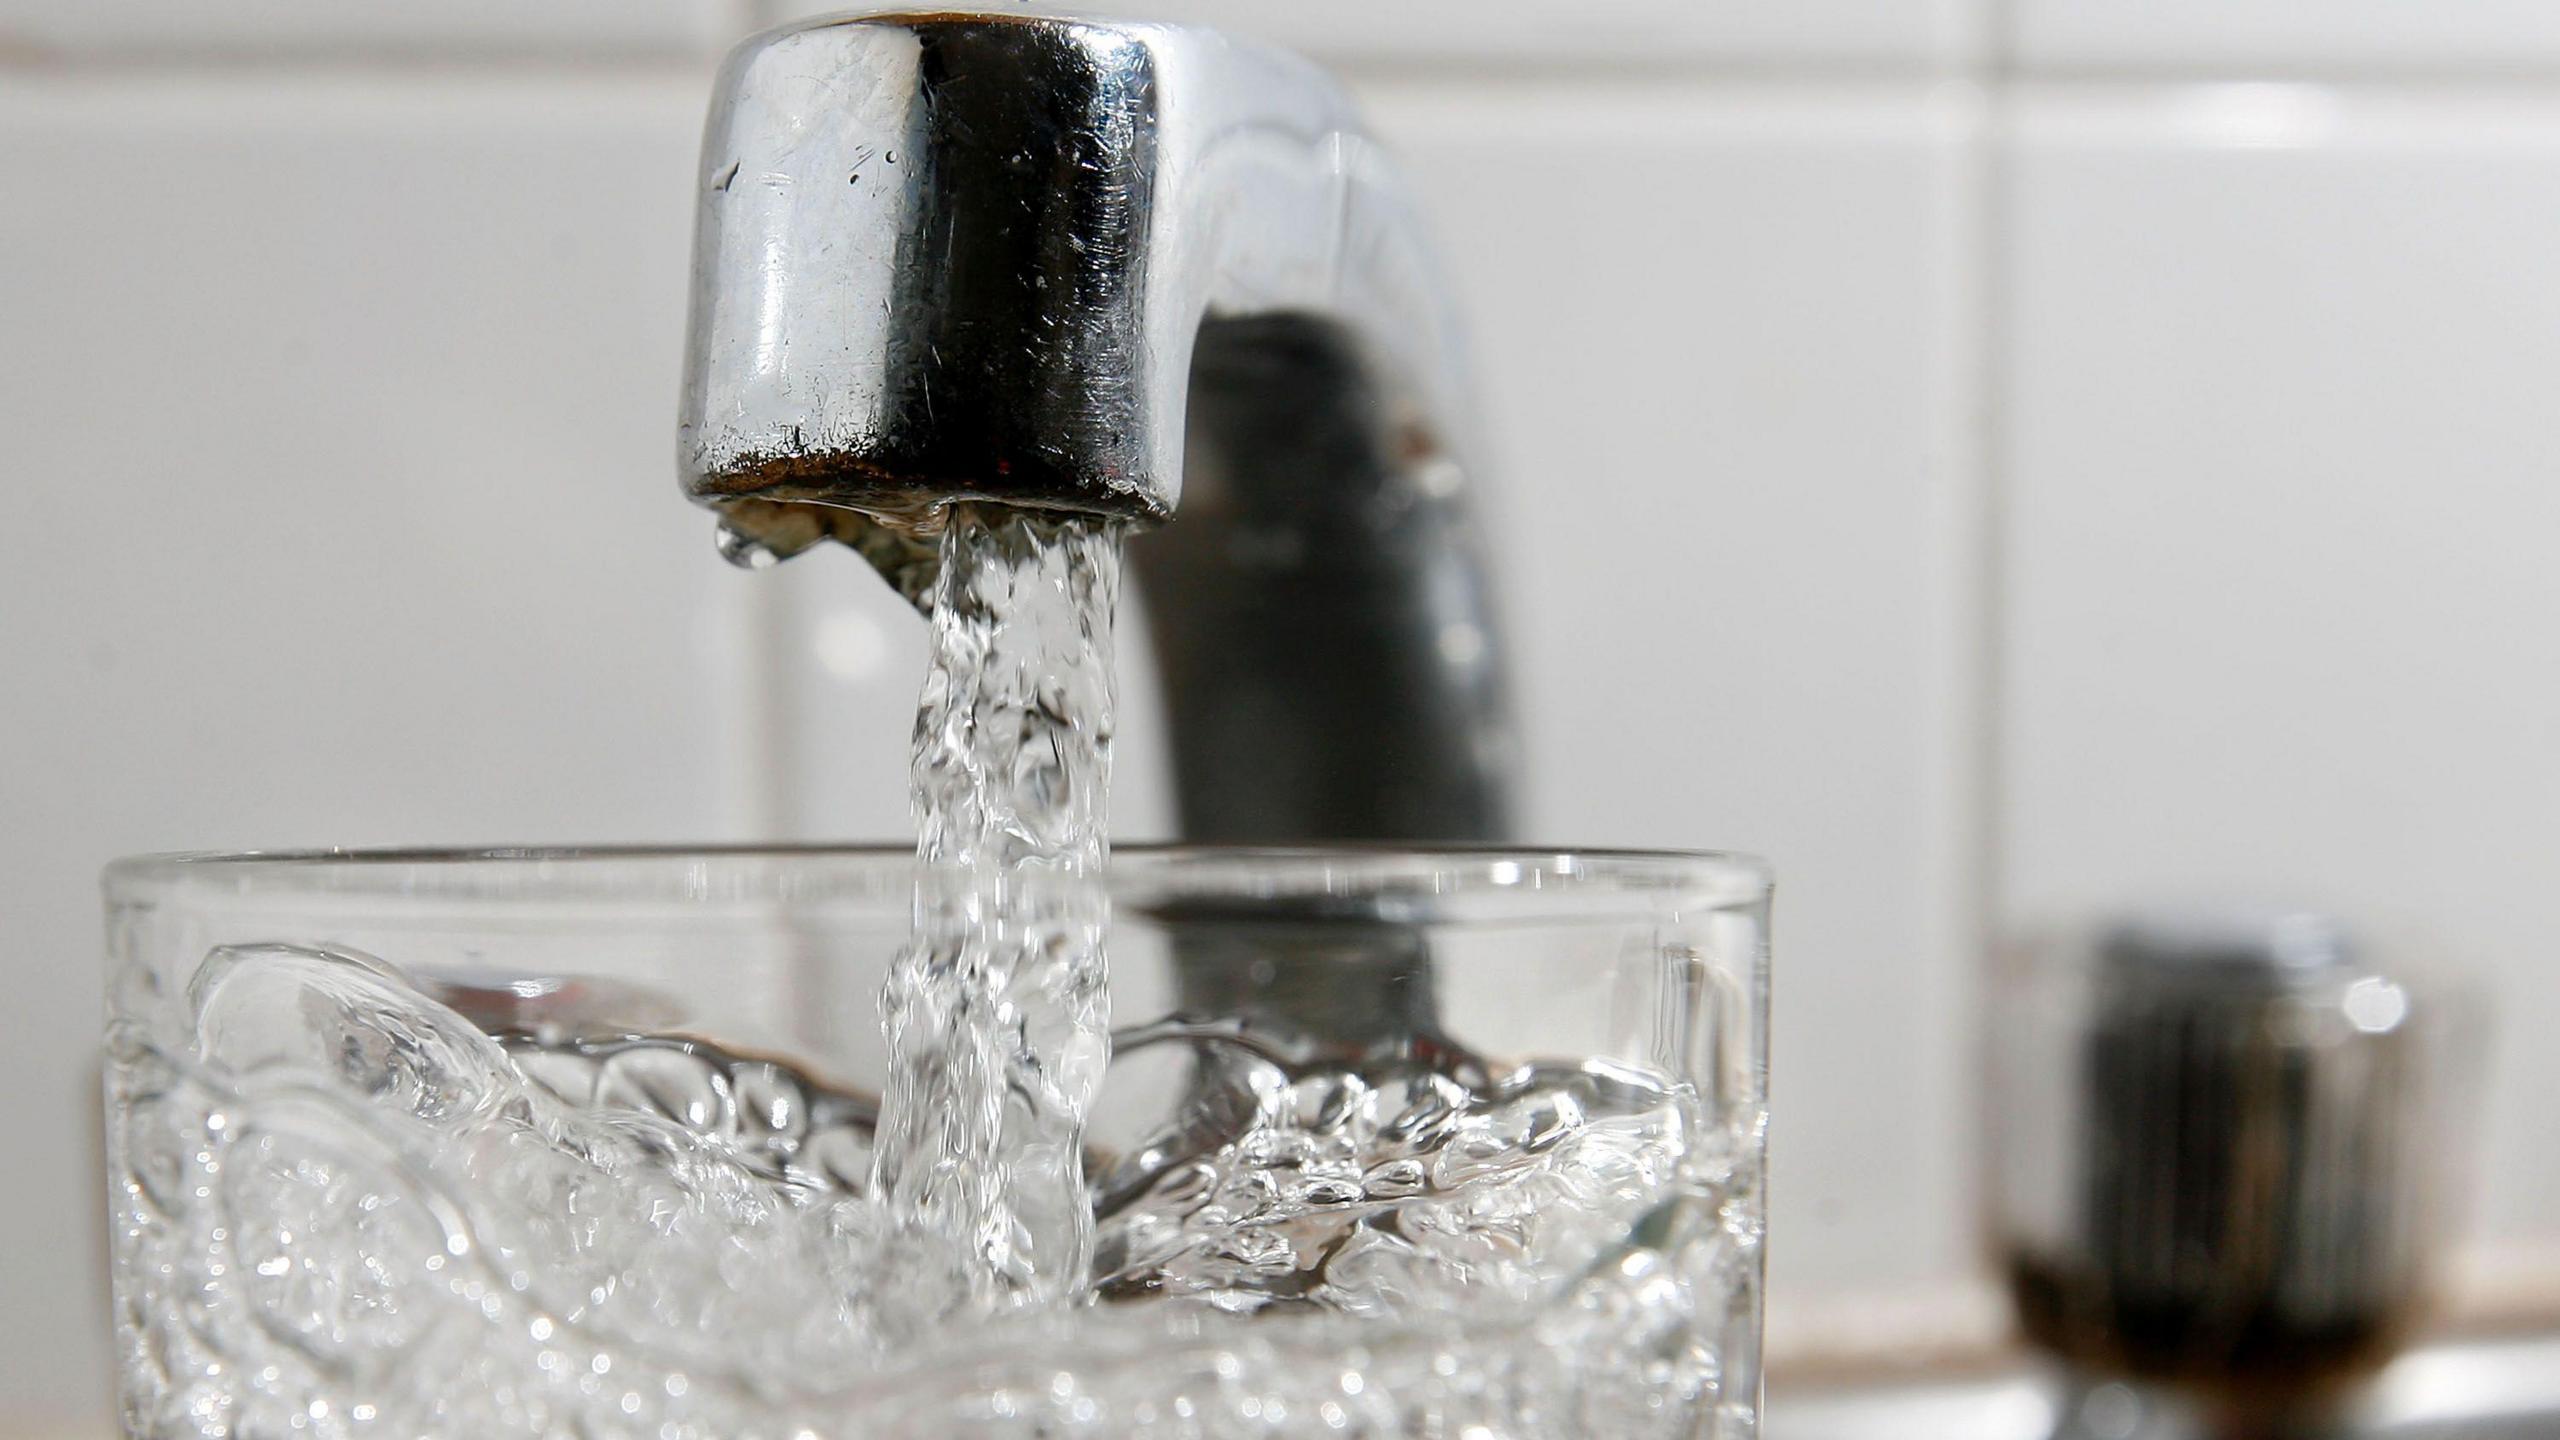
x: 1133, y: 270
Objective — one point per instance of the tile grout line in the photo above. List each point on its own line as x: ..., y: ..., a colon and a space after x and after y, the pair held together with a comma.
x: 1966, y: 876
x: 1992, y: 297
x: 1988, y: 293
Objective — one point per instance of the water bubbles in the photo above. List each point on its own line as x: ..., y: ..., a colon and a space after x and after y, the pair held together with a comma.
x: 166, y: 1149
x: 1332, y: 1102
x: 772, y: 1109
x: 334, y: 1014
x: 1319, y: 1191
x: 1424, y: 1109
x: 334, y: 1251
x: 1395, y: 1179
x: 670, y: 1083
x: 1462, y: 1197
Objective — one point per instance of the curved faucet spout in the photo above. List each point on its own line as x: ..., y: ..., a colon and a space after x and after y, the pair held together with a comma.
x: 1136, y: 270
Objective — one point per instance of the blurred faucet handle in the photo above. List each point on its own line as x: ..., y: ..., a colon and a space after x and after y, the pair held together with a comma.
x: 2229, y: 1189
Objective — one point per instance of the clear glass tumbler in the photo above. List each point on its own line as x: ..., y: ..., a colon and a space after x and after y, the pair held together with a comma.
x: 1390, y: 1143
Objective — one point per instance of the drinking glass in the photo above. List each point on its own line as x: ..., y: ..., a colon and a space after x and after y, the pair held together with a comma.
x: 1389, y: 1143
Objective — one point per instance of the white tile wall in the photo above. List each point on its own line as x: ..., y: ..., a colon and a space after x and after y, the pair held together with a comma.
x: 341, y: 511
x: 189, y: 29
x: 1742, y: 617
x: 2286, y: 36
x: 1883, y: 34
x: 2283, y: 538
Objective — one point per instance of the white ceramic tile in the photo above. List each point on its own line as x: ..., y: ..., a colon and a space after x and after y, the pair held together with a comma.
x: 1722, y: 359
x: 341, y: 511
x: 1900, y: 34
x: 2285, y: 35
x: 2280, y: 538
x: 255, y: 28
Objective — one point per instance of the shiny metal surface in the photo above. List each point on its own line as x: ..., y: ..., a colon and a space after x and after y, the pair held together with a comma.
x: 2240, y: 1183
x: 1137, y: 270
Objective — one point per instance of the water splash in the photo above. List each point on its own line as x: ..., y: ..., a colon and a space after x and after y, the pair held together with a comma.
x: 995, y: 1014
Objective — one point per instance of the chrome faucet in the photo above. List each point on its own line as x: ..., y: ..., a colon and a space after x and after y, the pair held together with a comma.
x: 1135, y: 270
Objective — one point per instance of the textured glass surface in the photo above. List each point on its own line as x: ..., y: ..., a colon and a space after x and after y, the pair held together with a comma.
x: 1388, y: 1144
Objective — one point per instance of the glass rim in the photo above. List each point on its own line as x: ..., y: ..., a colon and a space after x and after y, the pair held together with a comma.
x: 1725, y: 877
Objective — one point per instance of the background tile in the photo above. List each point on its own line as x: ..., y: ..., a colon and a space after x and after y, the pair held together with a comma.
x: 1898, y: 34
x: 2279, y: 540
x: 340, y: 515
x: 1743, y: 621
x: 2283, y: 36
x: 236, y: 29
